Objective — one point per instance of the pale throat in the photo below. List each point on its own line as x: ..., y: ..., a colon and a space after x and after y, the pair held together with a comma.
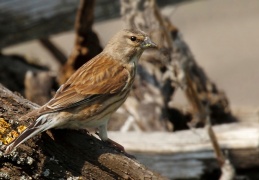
x: 134, y: 60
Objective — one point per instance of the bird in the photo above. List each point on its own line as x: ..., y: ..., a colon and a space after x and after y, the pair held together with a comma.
x: 93, y: 92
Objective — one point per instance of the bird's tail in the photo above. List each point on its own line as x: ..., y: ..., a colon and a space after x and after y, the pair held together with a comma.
x: 43, y: 123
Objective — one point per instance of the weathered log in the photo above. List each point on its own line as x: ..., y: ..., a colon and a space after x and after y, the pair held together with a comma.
x: 230, y: 136
x: 62, y: 153
x: 187, y: 154
x: 27, y: 21
x: 24, y: 21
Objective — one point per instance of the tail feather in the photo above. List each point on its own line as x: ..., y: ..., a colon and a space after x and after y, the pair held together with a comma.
x: 43, y: 123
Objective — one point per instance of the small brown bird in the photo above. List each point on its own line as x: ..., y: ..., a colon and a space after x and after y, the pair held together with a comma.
x: 94, y: 91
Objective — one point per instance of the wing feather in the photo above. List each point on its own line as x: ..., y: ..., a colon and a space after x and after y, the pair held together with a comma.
x: 99, y: 77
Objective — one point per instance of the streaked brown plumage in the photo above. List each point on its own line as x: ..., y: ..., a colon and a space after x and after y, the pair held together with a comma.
x: 94, y: 91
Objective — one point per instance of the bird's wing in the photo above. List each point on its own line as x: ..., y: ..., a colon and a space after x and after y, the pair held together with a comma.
x: 99, y: 77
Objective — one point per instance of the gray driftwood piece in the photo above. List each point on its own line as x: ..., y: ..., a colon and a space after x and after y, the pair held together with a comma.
x: 27, y: 20
x: 187, y: 154
x: 230, y: 136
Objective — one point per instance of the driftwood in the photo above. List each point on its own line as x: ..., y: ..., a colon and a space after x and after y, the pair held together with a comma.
x: 174, y: 66
x: 36, y: 20
x: 23, y: 24
x: 62, y: 153
x: 187, y: 154
x: 178, y: 68
x: 233, y: 136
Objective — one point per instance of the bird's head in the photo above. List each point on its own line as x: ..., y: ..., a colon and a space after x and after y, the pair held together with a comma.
x: 129, y: 44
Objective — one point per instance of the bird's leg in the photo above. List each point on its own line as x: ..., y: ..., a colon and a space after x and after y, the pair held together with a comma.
x: 104, y: 137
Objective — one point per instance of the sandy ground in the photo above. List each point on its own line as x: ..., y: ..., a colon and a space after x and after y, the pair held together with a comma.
x: 222, y: 34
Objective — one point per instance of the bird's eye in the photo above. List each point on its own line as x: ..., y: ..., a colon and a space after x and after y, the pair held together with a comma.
x: 133, y: 38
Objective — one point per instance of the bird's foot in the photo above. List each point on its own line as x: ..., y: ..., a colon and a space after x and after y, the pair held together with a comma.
x: 116, y: 145
x: 119, y: 148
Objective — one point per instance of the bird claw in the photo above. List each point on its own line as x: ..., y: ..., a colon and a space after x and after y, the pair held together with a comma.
x: 116, y: 145
x: 119, y: 148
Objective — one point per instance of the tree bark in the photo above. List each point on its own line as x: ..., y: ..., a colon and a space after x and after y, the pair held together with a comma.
x: 59, y: 154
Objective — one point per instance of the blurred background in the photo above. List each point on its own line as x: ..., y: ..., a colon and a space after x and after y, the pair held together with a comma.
x: 221, y: 34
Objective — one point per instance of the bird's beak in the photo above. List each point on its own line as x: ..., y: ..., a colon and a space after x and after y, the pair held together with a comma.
x: 147, y: 43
